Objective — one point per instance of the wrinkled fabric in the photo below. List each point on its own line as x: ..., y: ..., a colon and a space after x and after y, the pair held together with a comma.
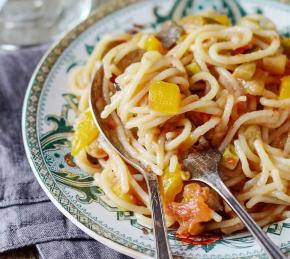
x: 27, y: 217
x: 82, y: 248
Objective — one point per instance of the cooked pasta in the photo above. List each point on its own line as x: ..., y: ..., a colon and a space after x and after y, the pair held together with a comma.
x: 198, y: 82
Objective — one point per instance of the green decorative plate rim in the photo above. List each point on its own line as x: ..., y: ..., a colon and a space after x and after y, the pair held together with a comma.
x: 34, y: 151
x: 32, y: 142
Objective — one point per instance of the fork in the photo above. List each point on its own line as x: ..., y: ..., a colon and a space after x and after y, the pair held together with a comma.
x: 203, y: 166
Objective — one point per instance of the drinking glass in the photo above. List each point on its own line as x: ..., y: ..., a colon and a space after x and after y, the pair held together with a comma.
x: 31, y: 22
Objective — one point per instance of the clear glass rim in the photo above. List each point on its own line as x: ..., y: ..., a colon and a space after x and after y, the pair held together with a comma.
x: 4, y: 46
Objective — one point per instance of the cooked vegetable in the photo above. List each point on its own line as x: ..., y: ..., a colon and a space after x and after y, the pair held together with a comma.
x: 275, y: 64
x: 132, y: 57
x: 285, y: 42
x: 285, y: 88
x: 222, y: 19
x: 85, y: 132
x: 192, y: 210
x: 194, y: 20
x: 169, y: 34
x: 152, y: 43
x: 128, y: 196
x: 252, y: 133
x: 187, y: 144
x: 256, y: 86
x: 171, y: 184
x: 245, y: 71
x: 182, y: 38
x: 211, y: 18
x: 164, y: 97
x: 193, y: 68
x: 95, y: 151
x: 230, y: 158
x: 248, y: 48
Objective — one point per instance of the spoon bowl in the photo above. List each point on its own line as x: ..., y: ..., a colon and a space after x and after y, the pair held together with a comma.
x: 117, y: 136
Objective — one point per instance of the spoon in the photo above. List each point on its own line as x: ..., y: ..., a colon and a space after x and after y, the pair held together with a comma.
x: 203, y: 167
x: 98, y: 99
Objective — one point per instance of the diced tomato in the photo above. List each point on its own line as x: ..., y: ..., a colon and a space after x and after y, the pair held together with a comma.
x: 69, y: 160
x: 198, y: 240
x: 192, y: 210
x: 201, y: 118
x: 243, y: 49
x: 101, y: 153
x: 241, y: 107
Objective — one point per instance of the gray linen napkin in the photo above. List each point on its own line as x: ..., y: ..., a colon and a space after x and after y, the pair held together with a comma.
x: 27, y: 217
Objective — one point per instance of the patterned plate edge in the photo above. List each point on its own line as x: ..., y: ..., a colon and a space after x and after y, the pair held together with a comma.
x: 34, y: 156
x: 36, y: 84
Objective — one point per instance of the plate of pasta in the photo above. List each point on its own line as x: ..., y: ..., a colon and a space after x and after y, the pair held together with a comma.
x: 179, y: 74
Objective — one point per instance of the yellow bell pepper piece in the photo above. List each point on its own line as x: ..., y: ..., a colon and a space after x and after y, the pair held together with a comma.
x: 254, y: 87
x: 252, y: 133
x: 128, y: 196
x: 164, y: 97
x: 230, y: 158
x: 152, y: 43
x: 275, y: 64
x: 222, y: 19
x: 182, y: 38
x: 193, y: 68
x: 85, y: 132
x: 193, y: 19
x: 245, y: 71
x: 285, y: 42
x: 285, y: 88
x: 199, y: 20
x: 171, y: 184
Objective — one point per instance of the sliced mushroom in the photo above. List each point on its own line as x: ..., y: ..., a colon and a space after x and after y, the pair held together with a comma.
x: 132, y: 57
x: 169, y: 34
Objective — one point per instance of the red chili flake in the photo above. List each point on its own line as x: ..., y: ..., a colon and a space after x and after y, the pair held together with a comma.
x: 69, y: 160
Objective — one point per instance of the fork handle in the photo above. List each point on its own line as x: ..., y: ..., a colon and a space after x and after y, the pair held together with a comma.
x: 271, y: 249
x: 159, y: 227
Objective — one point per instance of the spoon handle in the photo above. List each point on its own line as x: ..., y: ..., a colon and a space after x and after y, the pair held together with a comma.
x: 271, y: 249
x: 159, y: 227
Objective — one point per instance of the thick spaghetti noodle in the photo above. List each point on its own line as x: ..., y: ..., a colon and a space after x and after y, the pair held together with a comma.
x: 196, y: 82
